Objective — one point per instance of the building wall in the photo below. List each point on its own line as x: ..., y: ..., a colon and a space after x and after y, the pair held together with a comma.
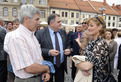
x: 11, y: 4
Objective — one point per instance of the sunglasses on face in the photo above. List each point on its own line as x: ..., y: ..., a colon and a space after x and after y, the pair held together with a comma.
x: 84, y: 23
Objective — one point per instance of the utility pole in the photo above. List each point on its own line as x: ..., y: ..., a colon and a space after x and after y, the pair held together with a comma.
x: 0, y: 7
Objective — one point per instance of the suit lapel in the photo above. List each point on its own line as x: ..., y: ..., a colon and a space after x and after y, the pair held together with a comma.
x: 62, y: 36
x: 48, y: 37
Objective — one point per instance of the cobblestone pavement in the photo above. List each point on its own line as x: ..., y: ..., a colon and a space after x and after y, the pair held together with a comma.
x: 68, y: 76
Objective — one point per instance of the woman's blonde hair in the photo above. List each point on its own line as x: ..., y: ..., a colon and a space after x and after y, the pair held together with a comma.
x: 99, y: 21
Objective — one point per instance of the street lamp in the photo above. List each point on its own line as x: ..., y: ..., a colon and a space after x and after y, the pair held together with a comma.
x: 102, y: 9
x: 0, y: 7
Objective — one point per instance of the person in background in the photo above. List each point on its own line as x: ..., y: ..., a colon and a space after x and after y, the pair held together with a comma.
x: 23, y: 48
x: 96, y: 50
x: 3, y: 54
x: 15, y: 24
x: 86, y: 37
x: 9, y: 26
x: 75, y: 47
x: 112, y: 47
x: 2, y: 23
x: 118, y: 40
x: 55, y: 46
x: 115, y: 31
x: 84, y: 24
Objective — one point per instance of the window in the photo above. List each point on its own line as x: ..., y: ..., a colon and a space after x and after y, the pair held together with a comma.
x: 23, y: 1
x: 109, y: 18
x: 31, y: 1
x: 53, y: 12
x: 43, y: 2
x: 77, y: 15
x: 5, y: 0
x: 5, y: 11
x: 83, y: 16
x: 62, y: 14
x: 89, y: 16
x: 15, y: 0
x: 119, y: 25
x: 72, y: 22
x: 62, y: 21
x: 66, y: 14
x: 113, y: 18
x: 108, y: 24
x: 72, y: 15
x: 119, y: 19
x: 42, y: 13
x: 66, y: 21
x: 77, y: 22
x: 14, y: 12
x: 113, y: 24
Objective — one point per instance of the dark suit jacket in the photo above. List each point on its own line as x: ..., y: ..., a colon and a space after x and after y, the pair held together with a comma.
x: 3, y: 54
x: 119, y: 58
x: 74, y: 44
x: 45, y: 41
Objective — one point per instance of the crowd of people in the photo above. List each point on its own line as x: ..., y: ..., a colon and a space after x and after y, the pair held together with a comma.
x: 30, y: 52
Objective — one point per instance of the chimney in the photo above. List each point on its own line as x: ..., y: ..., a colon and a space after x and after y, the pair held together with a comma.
x: 104, y: 2
x: 119, y: 7
x: 113, y: 6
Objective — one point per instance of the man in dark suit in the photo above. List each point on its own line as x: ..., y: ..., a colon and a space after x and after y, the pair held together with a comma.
x: 49, y: 38
x: 75, y: 47
x: 3, y: 57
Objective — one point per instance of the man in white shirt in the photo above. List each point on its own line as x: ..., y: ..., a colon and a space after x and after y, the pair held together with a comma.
x: 24, y: 50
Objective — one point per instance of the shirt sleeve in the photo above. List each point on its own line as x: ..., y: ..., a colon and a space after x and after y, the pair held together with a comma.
x: 19, y: 53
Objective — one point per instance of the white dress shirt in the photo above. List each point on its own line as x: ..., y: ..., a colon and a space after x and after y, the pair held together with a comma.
x: 23, y: 49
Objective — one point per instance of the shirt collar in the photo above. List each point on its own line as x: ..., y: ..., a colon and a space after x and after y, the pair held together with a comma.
x: 52, y: 32
x: 26, y: 30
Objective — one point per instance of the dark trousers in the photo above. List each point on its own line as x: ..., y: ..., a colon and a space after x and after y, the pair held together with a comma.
x: 119, y: 77
x: 73, y: 73
x: 59, y: 74
x: 3, y: 71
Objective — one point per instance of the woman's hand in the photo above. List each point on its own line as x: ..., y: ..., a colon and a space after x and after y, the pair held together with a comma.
x: 85, y: 73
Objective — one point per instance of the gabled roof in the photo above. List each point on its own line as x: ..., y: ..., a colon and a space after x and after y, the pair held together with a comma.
x: 85, y: 6
x: 98, y: 5
x: 66, y: 4
x: 116, y: 9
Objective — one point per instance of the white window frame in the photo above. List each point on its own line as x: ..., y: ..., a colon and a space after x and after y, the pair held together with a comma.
x: 5, y: 11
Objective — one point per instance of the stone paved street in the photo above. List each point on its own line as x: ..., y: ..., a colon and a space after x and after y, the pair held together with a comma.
x: 68, y: 76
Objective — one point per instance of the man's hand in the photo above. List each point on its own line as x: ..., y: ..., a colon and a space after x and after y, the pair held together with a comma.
x: 54, y: 52
x: 45, y: 77
x: 67, y: 51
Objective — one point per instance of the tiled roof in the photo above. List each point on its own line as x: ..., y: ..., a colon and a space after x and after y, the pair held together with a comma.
x: 66, y: 4
x: 84, y: 6
x: 117, y: 10
x: 98, y: 5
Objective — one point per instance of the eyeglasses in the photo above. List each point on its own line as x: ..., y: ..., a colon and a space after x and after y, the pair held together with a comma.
x: 84, y: 23
x: 98, y: 19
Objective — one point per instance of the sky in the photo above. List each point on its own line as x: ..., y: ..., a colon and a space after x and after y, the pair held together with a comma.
x: 110, y: 2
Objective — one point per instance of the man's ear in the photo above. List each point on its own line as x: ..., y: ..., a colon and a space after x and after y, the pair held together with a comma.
x: 26, y: 19
x: 51, y: 23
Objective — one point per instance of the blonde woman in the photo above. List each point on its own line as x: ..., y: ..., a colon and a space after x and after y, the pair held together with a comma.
x: 96, y: 50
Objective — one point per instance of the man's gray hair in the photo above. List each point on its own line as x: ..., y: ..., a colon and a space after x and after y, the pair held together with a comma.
x: 27, y: 10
